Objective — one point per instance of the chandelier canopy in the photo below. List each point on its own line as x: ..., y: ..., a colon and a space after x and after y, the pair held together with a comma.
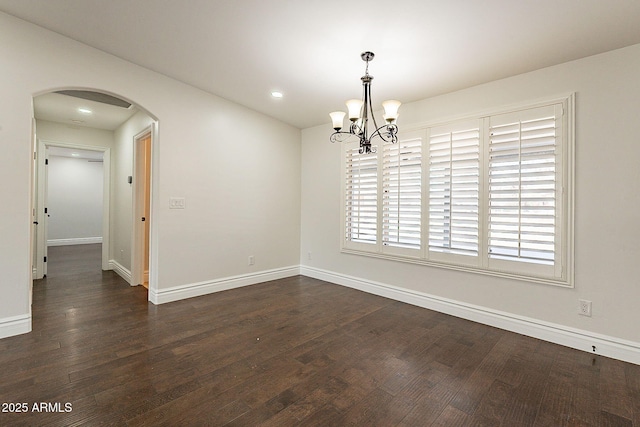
x: 360, y: 111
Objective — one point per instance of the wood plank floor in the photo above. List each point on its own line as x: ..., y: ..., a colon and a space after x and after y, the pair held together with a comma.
x: 296, y: 351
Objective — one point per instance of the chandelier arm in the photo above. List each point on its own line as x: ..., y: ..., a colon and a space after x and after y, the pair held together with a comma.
x: 340, y: 136
x: 373, y: 116
x: 366, y: 107
x: 387, y: 133
x: 354, y: 129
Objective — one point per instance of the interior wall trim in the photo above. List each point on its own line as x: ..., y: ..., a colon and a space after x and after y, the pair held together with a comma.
x: 176, y: 293
x: 16, y: 325
x: 120, y: 270
x: 74, y: 241
x: 616, y: 348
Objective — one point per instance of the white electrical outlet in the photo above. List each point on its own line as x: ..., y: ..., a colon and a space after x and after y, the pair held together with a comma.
x: 584, y: 307
x: 176, y: 203
x: 252, y: 260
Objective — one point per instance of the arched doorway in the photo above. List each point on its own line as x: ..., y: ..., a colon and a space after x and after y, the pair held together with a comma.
x: 96, y: 121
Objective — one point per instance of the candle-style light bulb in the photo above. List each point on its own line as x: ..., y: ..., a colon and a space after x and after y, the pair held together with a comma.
x: 391, y: 110
x: 337, y: 118
x: 354, y: 106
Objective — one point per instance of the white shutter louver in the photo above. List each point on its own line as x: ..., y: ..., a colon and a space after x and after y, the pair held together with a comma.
x: 522, y: 186
x: 361, y: 196
x: 454, y: 179
x: 402, y: 198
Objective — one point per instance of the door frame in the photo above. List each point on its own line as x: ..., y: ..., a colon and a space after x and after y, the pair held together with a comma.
x: 138, y: 205
x: 41, y: 201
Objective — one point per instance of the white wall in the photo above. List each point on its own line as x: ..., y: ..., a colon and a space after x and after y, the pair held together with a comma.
x: 71, y: 134
x: 74, y: 200
x: 238, y: 170
x: 607, y: 236
x: 122, y: 208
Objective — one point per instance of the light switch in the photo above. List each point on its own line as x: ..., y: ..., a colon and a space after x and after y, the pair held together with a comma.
x: 176, y: 202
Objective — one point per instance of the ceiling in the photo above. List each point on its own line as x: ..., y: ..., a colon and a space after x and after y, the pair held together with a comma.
x: 90, y: 155
x: 310, y: 50
x: 59, y: 108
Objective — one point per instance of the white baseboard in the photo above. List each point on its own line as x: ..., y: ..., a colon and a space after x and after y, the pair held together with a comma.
x: 203, y: 288
x: 74, y: 241
x: 615, y: 348
x: 120, y: 270
x: 16, y: 325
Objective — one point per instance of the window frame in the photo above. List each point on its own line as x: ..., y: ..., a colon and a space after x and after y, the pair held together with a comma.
x: 563, y: 271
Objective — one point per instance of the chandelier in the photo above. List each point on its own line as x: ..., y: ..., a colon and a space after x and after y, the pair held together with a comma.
x: 360, y: 111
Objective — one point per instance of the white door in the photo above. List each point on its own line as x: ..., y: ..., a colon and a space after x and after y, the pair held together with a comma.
x: 42, y: 214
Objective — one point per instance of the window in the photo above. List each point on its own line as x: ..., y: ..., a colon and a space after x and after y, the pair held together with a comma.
x: 454, y: 185
x: 525, y: 189
x: 361, y: 197
x: 402, y: 193
x: 491, y: 194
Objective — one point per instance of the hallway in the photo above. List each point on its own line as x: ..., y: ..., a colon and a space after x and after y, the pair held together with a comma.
x: 76, y: 260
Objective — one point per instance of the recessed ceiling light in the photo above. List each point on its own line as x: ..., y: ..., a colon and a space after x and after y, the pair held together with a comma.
x: 277, y: 94
x: 75, y: 154
x: 84, y: 111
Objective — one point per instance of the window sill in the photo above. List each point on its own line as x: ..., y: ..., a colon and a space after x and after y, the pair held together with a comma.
x: 563, y: 283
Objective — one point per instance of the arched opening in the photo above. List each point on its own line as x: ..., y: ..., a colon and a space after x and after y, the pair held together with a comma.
x: 89, y: 126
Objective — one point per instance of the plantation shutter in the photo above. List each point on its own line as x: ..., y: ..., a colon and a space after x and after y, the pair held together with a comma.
x: 454, y: 179
x: 491, y: 194
x: 523, y: 193
x: 361, y: 196
x: 402, y: 198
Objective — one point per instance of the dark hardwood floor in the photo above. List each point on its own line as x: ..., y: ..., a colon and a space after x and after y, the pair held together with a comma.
x: 296, y: 351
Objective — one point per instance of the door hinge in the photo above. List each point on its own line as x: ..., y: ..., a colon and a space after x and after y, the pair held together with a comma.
x: 46, y: 162
x: 46, y: 210
x: 45, y: 259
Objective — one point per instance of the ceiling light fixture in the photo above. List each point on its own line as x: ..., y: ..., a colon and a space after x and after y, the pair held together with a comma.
x: 277, y: 94
x: 359, y: 113
x: 85, y: 111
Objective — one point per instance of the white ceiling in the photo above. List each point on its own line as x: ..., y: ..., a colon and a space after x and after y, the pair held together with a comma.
x: 76, y: 154
x: 55, y: 107
x: 310, y: 50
